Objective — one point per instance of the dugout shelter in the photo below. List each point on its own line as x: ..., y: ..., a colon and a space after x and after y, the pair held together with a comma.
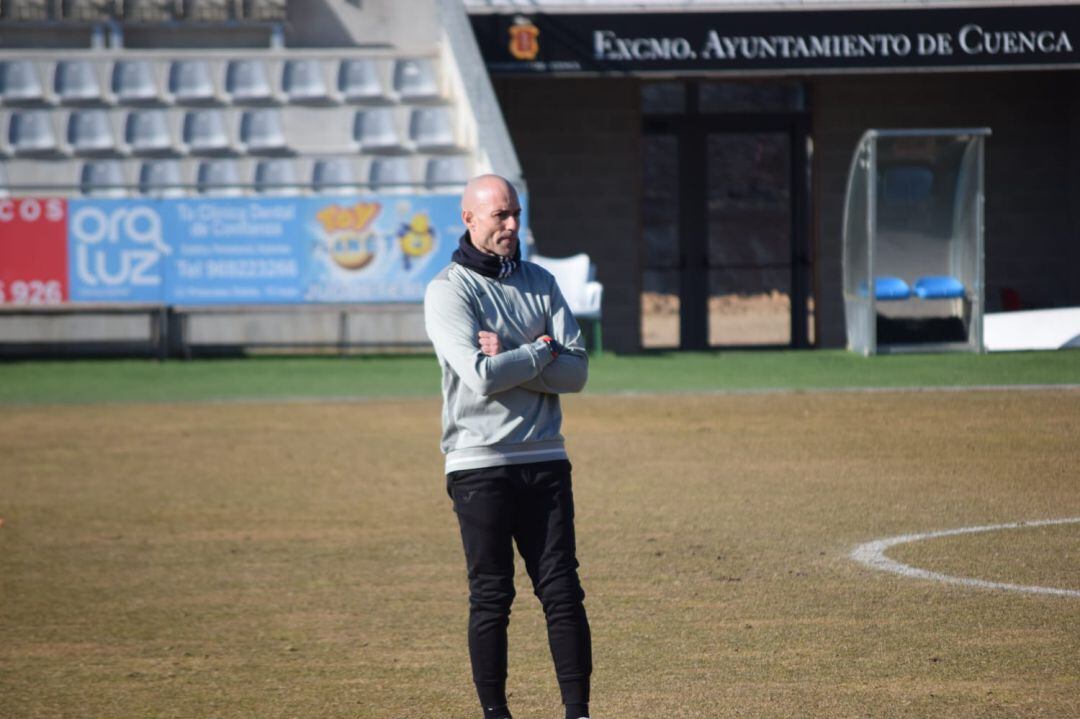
x: 913, y: 241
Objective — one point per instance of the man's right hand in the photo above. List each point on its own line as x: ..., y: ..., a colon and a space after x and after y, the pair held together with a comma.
x: 489, y: 343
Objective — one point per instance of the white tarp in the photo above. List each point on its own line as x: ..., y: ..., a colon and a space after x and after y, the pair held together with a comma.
x: 1032, y: 330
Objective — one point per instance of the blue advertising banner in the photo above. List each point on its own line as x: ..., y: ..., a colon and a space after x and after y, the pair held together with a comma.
x: 195, y: 251
x: 117, y: 250
x: 379, y: 249
x: 235, y: 251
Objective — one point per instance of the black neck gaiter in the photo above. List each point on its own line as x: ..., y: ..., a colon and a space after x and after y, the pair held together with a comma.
x: 488, y: 265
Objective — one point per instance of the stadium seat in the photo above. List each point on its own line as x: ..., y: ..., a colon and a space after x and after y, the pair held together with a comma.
x: 161, y: 178
x: 76, y: 81
x: 376, y: 129
x: 887, y: 288
x: 390, y: 173
x: 262, y: 131
x: 266, y: 10
x: 575, y: 276
x: 89, y: 10
x: 212, y: 10
x: 276, y: 177
x: 36, y: 10
x: 248, y: 81
x: 205, y: 133
x: 21, y: 83
x: 31, y: 132
x: 443, y: 171
x: 133, y: 81
x: 303, y: 81
x: 103, y: 178
x: 431, y: 128
x: 939, y: 287
x: 219, y: 177
x: 335, y: 176
x: 147, y: 132
x: 90, y: 132
x: 152, y: 11
x: 190, y: 82
x: 358, y: 81
x: 415, y: 80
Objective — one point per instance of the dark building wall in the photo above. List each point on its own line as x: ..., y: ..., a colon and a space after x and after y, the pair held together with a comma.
x: 1033, y: 173
x: 578, y: 143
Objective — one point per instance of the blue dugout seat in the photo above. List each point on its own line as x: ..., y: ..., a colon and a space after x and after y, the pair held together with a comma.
x: 931, y: 287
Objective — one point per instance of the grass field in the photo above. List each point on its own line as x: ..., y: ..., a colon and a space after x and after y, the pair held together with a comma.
x: 417, y: 375
x: 163, y: 557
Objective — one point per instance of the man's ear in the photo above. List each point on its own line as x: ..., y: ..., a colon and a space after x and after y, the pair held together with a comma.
x: 466, y: 217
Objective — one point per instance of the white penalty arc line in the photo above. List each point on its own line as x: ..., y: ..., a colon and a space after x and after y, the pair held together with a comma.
x: 872, y: 554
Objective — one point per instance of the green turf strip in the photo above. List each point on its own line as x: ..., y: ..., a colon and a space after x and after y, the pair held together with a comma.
x: 418, y: 375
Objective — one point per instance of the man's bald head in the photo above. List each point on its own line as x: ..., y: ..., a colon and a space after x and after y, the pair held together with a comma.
x: 492, y: 214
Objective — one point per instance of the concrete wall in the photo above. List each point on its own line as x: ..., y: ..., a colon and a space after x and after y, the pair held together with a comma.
x: 578, y: 143
x: 1033, y: 173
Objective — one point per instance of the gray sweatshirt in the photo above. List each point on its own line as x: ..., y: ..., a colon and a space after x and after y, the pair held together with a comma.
x: 503, y: 409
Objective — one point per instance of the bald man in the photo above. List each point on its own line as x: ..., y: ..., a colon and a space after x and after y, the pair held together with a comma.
x: 508, y: 346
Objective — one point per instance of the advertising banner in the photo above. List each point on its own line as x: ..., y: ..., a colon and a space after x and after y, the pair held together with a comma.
x: 226, y: 251
x: 773, y: 40
x: 234, y: 251
x: 33, y: 251
x: 117, y: 251
x: 379, y: 249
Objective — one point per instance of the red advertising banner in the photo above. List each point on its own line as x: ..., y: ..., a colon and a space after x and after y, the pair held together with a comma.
x: 33, y: 251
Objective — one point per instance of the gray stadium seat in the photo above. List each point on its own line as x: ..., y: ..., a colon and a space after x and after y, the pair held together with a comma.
x: 303, y: 81
x: 376, y: 129
x: 358, y: 81
x: 248, y: 81
x: 334, y: 176
x: 31, y: 132
x: 388, y: 172
x: 147, y: 132
x: 219, y: 177
x: 133, y: 81
x: 190, y: 82
x: 152, y: 11
x: 262, y: 131
x: 276, y: 177
x: 415, y: 79
x: 26, y: 10
x: 431, y: 128
x: 161, y: 178
x: 21, y: 83
x: 212, y: 10
x: 266, y: 10
x: 103, y: 178
x: 76, y: 81
x: 4, y: 189
x: 204, y: 132
x: 443, y: 171
x: 90, y: 132
x: 88, y: 10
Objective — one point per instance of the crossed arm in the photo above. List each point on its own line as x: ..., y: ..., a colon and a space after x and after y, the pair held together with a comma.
x: 483, y: 362
x: 555, y: 378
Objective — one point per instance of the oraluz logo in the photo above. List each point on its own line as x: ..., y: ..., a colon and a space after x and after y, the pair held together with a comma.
x: 118, y: 247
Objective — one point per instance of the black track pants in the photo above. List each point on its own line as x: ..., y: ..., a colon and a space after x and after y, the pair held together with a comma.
x: 532, y: 505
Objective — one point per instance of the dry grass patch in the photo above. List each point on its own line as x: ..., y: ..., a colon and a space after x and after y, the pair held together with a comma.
x: 239, y: 560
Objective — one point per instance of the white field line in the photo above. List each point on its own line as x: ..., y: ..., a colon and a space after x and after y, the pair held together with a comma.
x: 872, y: 554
